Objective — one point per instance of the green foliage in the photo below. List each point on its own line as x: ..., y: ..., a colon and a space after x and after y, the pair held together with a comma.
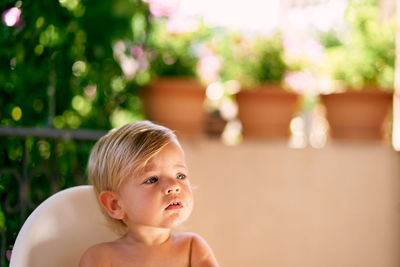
x: 367, y: 55
x: 2, y: 220
x: 50, y: 165
x: 252, y: 60
x: 66, y: 47
x: 268, y: 52
x: 329, y: 39
x: 175, y: 53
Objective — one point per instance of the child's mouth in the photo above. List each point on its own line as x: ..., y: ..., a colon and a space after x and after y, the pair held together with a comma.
x: 174, y: 205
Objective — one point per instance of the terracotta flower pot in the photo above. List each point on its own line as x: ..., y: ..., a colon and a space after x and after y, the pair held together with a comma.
x: 358, y: 115
x: 266, y: 111
x: 177, y: 103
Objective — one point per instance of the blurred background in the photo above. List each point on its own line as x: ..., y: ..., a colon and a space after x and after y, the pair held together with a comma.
x: 288, y: 111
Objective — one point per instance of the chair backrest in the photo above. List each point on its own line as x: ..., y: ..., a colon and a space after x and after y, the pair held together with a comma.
x: 60, y: 229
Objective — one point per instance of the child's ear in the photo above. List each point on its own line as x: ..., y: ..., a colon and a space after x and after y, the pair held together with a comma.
x: 109, y: 201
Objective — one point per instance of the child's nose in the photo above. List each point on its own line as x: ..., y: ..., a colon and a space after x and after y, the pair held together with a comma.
x: 173, y: 188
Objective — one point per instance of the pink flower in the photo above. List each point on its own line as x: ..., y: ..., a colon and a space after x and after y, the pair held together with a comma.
x: 302, y: 48
x: 178, y: 24
x: 8, y: 254
x: 209, y: 66
x: 140, y: 55
x: 129, y: 67
x: 299, y: 81
x: 162, y: 8
x: 137, y: 51
x: 308, y: 83
x: 11, y: 16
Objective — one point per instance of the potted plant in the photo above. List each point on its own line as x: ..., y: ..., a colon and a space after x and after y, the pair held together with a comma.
x: 175, y: 96
x: 363, y: 66
x: 265, y: 107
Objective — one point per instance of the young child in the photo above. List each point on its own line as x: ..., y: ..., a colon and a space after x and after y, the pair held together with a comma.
x: 140, y: 178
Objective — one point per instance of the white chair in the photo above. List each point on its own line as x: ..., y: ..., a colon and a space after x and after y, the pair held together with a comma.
x: 60, y: 229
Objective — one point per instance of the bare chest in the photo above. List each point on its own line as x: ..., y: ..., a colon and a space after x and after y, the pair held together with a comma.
x: 171, y: 255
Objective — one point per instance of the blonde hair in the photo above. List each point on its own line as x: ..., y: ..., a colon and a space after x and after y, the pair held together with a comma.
x: 121, y: 153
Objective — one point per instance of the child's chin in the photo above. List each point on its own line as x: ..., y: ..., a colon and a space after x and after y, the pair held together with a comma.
x: 177, y: 220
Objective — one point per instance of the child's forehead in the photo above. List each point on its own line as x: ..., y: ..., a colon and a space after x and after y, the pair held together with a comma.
x: 150, y: 166
x: 170, y: 154
x: 172, y: 161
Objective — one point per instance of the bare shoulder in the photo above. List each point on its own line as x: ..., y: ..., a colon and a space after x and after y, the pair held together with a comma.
x: 96, y: 256
x: 201, y: 253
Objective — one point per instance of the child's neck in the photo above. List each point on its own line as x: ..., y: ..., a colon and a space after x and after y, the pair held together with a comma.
x: 146, y: 235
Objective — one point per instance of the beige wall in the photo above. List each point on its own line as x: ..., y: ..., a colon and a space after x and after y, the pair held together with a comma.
x: 264, y: 204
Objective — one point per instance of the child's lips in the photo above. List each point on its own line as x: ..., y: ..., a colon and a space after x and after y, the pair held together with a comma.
x: 173, y: 205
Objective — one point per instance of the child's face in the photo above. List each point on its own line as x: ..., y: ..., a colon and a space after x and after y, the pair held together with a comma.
x: 160, y: 196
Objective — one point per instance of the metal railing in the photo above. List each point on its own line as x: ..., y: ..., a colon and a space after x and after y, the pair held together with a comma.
x: 34, y: 164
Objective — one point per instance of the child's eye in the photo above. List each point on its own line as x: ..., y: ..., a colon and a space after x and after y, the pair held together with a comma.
x: 181, y: 176
x: 151, y: 180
